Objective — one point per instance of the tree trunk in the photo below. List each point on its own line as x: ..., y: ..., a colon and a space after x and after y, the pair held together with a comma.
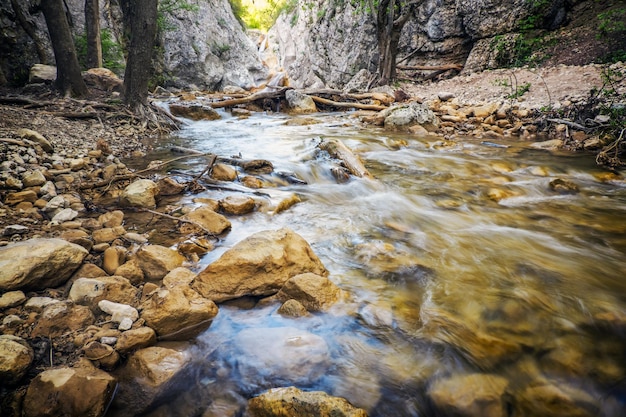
x: 143, y: 28
x: 391, y: 18
x: 69, y: 79
x: 92, y: 27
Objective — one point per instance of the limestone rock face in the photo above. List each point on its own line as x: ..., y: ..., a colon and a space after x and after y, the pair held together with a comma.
x: 140, y: 193
x: 36, y: 264
x: 16, y: 355
x: 156, y: 261
x: 471, y: 395
x: 80, y: 391
x: 178, y: 312
x: 208, y: 48
x: 292, y: 402
x: 259, y: 265
x: 313, y: 291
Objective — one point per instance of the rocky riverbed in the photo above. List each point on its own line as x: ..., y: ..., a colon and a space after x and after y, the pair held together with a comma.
x: 99, y: 263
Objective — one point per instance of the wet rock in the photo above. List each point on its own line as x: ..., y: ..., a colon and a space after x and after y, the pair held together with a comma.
x: 549, y: 145
x: 237, y: 204
x: 103, y: 356
x: 168, y: 186
x: 211, y: 221
x: 407, y: 115
x: 90, y: 291
x: 314, y: 292
x: 477, y: 346
x: 156, y: 261
x: 474, y: 395
x: 38, y: 263
x: 292, y: 402
x: 292, y: 308
x: 222, y: 172
x: 194, y: 112
x: 16, y: 356
x: 78, y: 391
x: 61, y: 318
x: 195, y: 246
x: 378, y: 314
x: 563, y: 186
x: 37, y: 138
x: 134, y: 339
x: 252, y: 182
x: 147, y: 374
x: 177, y: 313
x: 140, y: 193
x: 300, y: 103
x: 258, y: 265
x: 11, y: 299
x: 286, y: 353
x: 557, y: 401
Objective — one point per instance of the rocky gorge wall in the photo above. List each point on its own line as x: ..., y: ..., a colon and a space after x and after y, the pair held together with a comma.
x: 329, y: 41
x: 204, y: 47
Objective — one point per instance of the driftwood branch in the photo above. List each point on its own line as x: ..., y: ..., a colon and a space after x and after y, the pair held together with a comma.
x: 179, y: 219
x: 430, y: 67
x: 568, y: 123
x: 249, y: 99
x: 350, y: 161
x: 344, y: 105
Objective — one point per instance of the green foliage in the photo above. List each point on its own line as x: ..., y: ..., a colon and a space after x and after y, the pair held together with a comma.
x: 519, y: 91
x: 263, y: 14
x: 112, y: 54
x: 167, y: 7
x: 611, y: 22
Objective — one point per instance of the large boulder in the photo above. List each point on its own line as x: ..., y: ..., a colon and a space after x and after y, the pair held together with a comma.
x: 16, y: 355
x: 282, y: 354
x: 313, y: 291
x: 36, y: 264
x: 300, y: 103
x: 78, y: 391
x: 148, y: 374
x: 258, y: 266
x: 178, y: 312
x: 473, y: 395
x: 293, y: 402
x: 405, y: 116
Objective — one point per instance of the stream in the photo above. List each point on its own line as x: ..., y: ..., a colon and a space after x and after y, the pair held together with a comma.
x: 460, y: 266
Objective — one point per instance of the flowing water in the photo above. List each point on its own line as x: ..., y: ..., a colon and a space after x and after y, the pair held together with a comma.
x: 463, y: 272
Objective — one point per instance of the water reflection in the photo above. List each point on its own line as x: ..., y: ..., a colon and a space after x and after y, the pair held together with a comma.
x: 462, y: 264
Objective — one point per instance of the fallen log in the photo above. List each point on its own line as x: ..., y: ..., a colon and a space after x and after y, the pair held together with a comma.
x: 350, y: 161
x: 430, y: 67
x: 249, y: 99
x: 347, y: 105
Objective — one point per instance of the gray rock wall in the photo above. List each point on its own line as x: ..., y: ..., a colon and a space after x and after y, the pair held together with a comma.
x: 309, y: 48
